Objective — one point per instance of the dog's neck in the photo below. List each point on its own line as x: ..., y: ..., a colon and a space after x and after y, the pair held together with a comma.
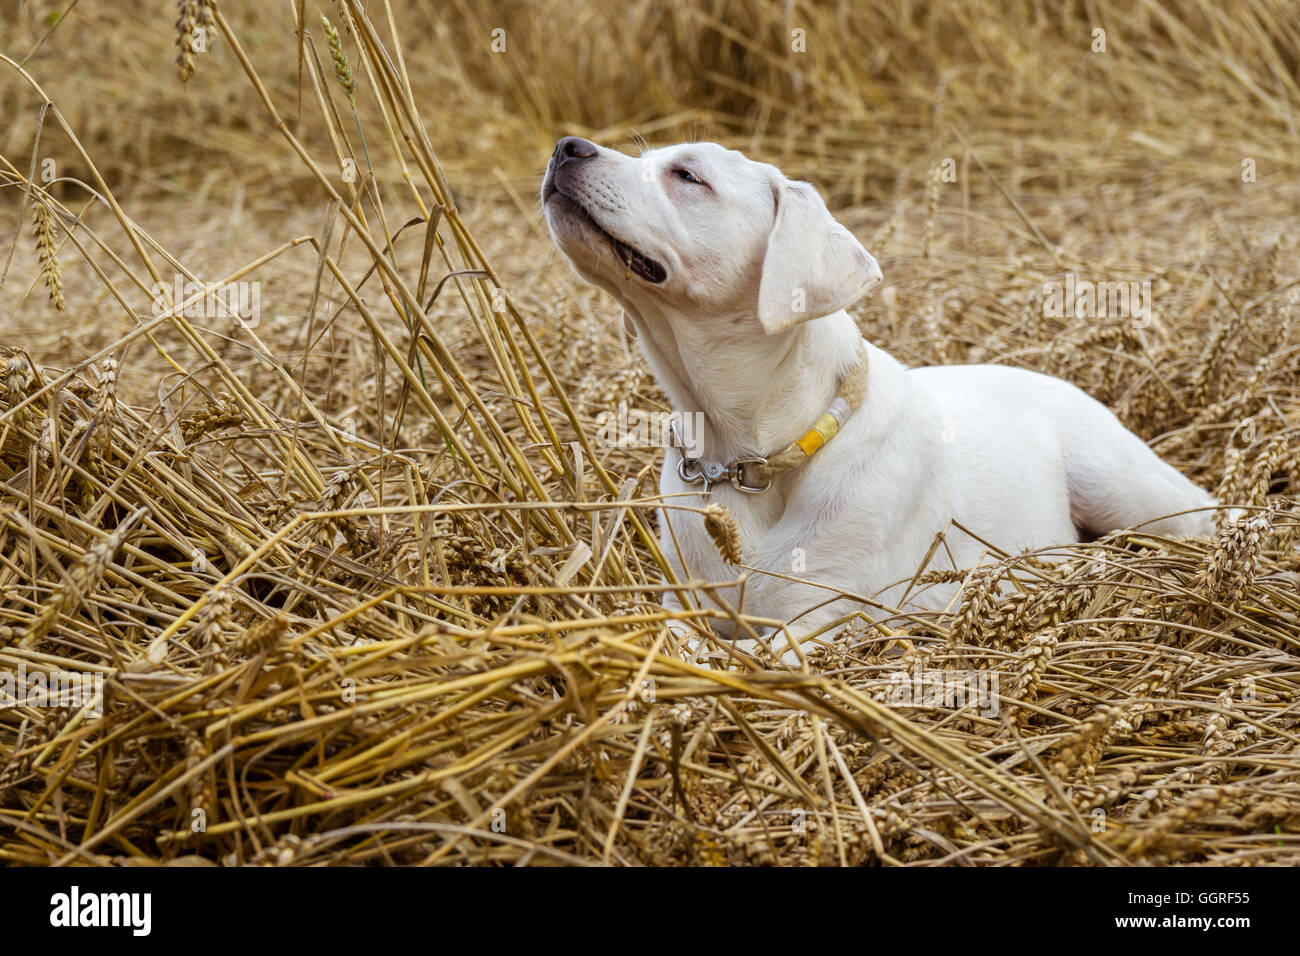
x: 757, y: 392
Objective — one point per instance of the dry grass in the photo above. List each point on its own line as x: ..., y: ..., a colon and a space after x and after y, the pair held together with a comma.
x: 364, y: 588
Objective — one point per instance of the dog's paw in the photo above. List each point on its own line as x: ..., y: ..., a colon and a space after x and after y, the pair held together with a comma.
x: 692, y: 646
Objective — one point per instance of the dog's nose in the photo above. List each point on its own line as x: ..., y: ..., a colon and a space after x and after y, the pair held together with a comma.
x: 573, y: 148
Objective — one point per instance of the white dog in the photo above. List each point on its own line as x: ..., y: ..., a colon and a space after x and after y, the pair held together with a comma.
x: 735, y: 281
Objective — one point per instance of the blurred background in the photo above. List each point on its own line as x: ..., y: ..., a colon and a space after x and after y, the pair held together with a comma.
x: 1059, y: 96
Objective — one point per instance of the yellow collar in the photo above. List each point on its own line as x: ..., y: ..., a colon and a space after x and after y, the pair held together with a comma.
x: 755, y: 475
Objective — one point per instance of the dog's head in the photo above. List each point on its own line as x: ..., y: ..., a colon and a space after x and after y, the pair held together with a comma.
x: 700, y: 229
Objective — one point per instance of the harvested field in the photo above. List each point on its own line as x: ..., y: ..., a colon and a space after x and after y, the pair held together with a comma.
x: 360, y: 582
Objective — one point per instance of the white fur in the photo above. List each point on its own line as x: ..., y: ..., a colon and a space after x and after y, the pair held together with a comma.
x: 1021, y: 459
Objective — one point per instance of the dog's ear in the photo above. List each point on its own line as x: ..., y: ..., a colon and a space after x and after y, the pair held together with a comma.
x: 813, y: 266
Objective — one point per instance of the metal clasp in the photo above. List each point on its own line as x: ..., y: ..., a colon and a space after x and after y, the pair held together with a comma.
x: 693, y: 471
x: 682, y: 463
x: 711, y: 473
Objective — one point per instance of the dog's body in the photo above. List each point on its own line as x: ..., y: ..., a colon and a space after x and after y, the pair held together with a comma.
x: 735, y: 281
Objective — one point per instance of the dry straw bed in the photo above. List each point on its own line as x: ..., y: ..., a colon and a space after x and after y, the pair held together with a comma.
x: 364, y: 588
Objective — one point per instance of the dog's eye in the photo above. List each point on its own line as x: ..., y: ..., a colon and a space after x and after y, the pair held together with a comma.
x: 687, y: 175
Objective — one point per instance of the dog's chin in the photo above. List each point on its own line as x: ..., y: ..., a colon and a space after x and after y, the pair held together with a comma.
x: 579, y: 236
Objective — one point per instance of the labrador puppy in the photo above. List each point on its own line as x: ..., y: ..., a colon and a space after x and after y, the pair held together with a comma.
x: 735, y: 281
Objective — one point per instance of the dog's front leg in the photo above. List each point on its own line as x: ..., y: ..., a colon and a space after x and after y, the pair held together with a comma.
x: 691, y: 642
x: 694, y: 618
x: 809, y: 613
x: 805, y: 632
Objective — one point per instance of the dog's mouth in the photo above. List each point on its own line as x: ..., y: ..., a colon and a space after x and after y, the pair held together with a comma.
x: 635, y: 261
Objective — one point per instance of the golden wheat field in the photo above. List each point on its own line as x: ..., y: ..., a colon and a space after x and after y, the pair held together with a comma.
x: 299, y: 463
